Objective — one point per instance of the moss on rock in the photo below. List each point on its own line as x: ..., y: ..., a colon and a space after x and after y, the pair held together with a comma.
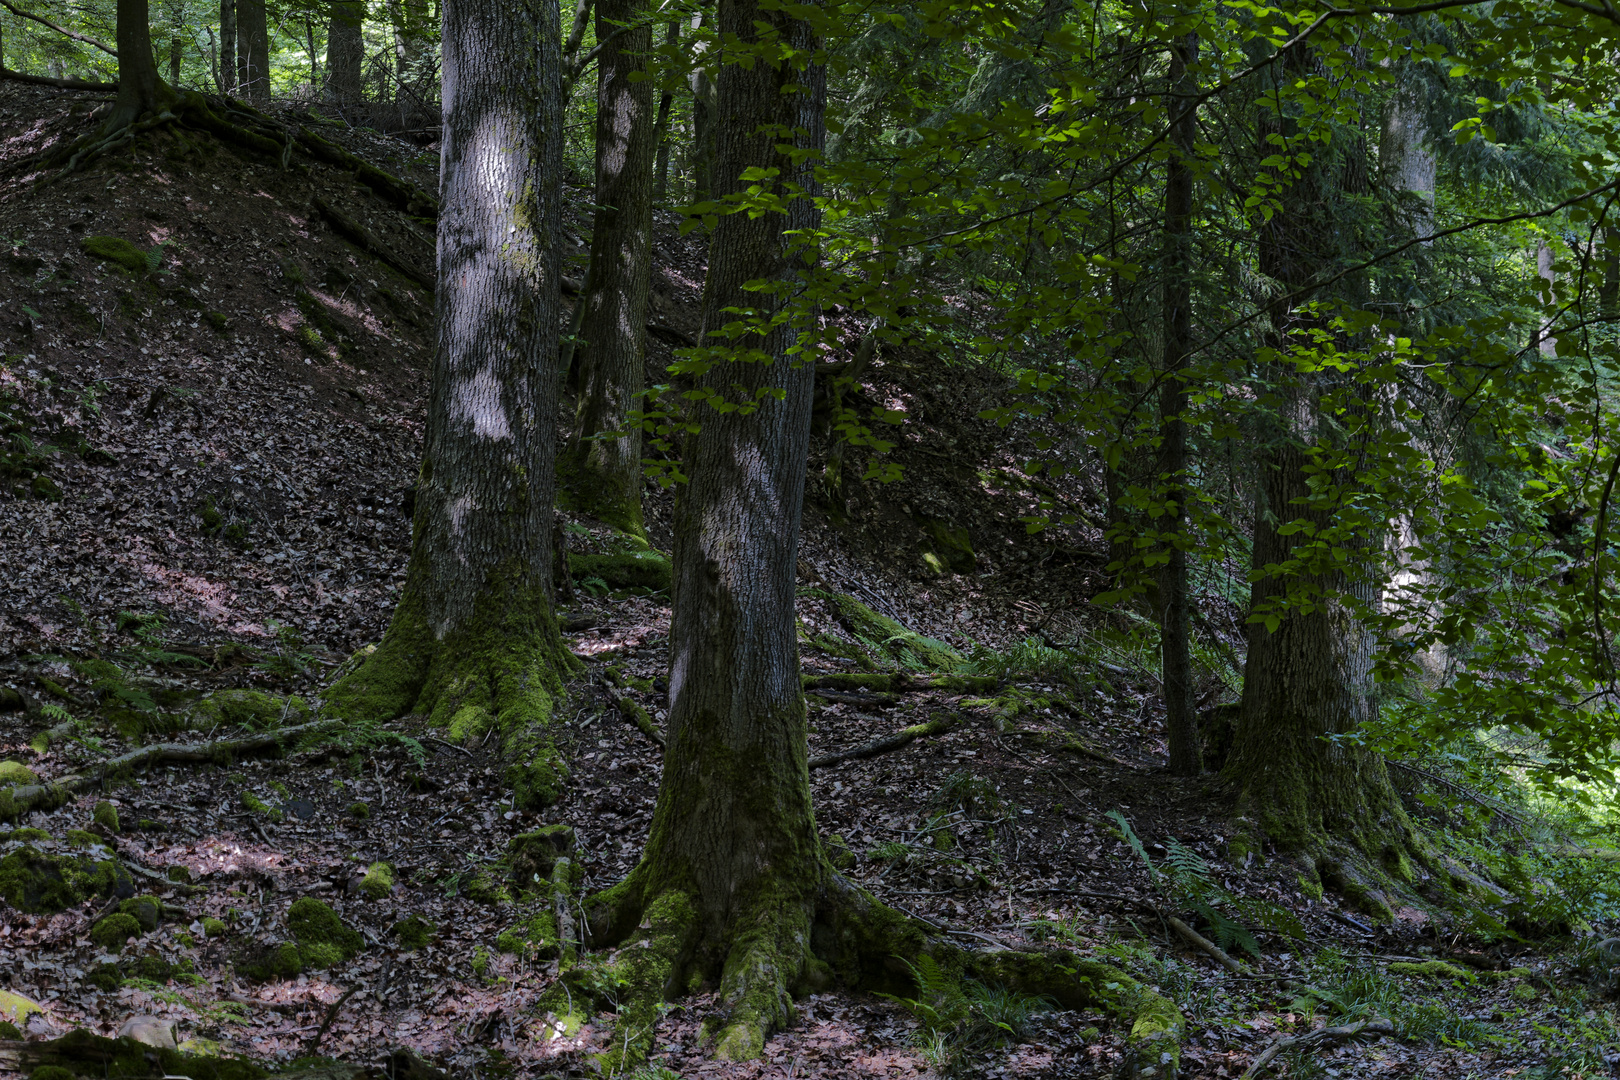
x: 533, y: 854
x: 105, y: 977
x: 34, y: 882
x: 323, y: 940
x: 249, y: 708
x: 52, y: 1072
x: 379, y: 881
x: 15, y: 1009
x: 16, y: 774
x: 146, y: 910
x: 359, y: 811
x: 950, y: 548
x: 277, y: 960
x: 118, y: 252
x: 535, y: 937
x: 1431, y: 969
x: 414, y: 932
x: 111, y: 932
x: 80, y: 838
x: 885, y: 642
x: 106, y: 815
x: 214, y: 928
x: 625, y: 570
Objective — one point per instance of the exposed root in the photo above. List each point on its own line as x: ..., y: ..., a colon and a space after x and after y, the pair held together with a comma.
x: 21, y: 800
x: 501, y: 671
x: 1374, y: 1027
x: 776, y: 951
x: 60, y: 84
x: 355, y: 233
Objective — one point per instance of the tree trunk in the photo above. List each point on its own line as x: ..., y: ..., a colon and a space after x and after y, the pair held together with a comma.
x: 1308, y: 679
x: 605, y: 458
x: 140, y: 91
x: 730, y: 878
x: 345, y: 50
x: 474, y: 641
x: 1175, y: 644
x: 666, y: 103
x: 253, y: 50
x: 227, y: 47
x: 175, y: 54
x: 701, y: 155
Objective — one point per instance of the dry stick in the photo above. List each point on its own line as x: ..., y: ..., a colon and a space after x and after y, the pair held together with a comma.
x: 29, y: 796
x: 942, y: 725
x: 1214, y: 951
x: 331, y: 1014
x: 1376, y: 1026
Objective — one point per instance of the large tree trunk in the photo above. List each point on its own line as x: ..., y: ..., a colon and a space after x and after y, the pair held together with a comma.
x: 730, y: 878
x: 605, y: 458
x: 253, y: 50
x: 701, y: 154
x: 1175, y: 642
x: 140, y: 90
x: 227, y: 47
x: 474, y: 641
x: 345, y: 49
x: 1308, y: 676
x: 666, y: 103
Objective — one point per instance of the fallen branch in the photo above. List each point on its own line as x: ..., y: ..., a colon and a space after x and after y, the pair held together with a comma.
x: 1202, y: 943
x: 326, y: 1024
x: 64, y: 31
x: 633, y: 712
x: 1376, y: 1026
x: 31, y: 796
x: 944, y: 723
x: 353, y: 232
x: 60, y: 84
x: 403, y: 194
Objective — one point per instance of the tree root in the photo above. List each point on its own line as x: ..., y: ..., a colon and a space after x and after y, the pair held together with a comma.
x: 354, y: 233
x: 22, y: 800
x: 778, y: 949
x: 942, y: 724
x: 84, y: 1054
x: 1376, y: 1026
x: 901, y: 682
x: 59, y: 84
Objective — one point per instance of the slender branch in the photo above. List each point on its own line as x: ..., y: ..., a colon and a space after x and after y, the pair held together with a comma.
x: 110, y: 51
x: 940, y: 725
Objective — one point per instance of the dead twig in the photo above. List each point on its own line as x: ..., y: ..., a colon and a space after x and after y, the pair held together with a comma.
x: 940, y: 725
x: 326, y: 1024
x: 1203, y: 944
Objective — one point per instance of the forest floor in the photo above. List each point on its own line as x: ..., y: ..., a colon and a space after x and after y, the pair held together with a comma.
x: 205, y: 465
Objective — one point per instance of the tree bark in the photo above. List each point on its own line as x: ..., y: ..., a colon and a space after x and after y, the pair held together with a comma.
x: 227, y: 47
x: 1175, y: 644
x: 474, y: 641
x: 140, y: 90
x: 345, y: 49
x: 253, y: 51
x: 701, y: 155
x: 605, y: 457
x: 666, y: 103
x: 1308, y: 681
x: 730, y: 878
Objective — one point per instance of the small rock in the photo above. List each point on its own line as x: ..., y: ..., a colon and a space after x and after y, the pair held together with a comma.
x: 151, y: 1030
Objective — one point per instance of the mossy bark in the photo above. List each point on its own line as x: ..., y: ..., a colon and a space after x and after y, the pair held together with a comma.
x: 474, y: 641
x: 1305, y: 783
x: 140, y: 90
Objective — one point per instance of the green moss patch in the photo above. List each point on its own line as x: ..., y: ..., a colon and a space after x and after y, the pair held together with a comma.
x: 111, y: 932
x: 214, y: 928
x: 1431, y: 969
x: 627, y: 570
x: 118, y: 252
x: 38, y: 884
x: 414, y: 932
x: 251, y: 709
x: 106, y: 815
x: 533, y: 854
x: 880, y: 642
x: 535, y: 937
x: 146, y: 910
x: 323, y: 939
x: 379, y: 881
x: 16, y: 774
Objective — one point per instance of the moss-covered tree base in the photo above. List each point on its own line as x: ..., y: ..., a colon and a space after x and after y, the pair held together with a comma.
x: 785, y: 943
x: 584, y: 488
x: 500, y: 671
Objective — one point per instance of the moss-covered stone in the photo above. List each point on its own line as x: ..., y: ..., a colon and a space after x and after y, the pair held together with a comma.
x: 255, y: 805
x: 52, y: 1072
x: 28, y: 834
x: 8, y: 1030
x: 414, y: 932
x: 111, y: 932
x: 378, y: 882
x: 146, y: 910
x: 106, y: 815
x: 251, y: 709
x: 323, y: 940
x: 840, y: 854
x: 533, y: 854
x: 16, y: 1009
x: 37, y: 883
x: 16, y: 774
x: 359, y: 811
x: 153, y: 969
x: 625, y: 570
x: 79, y: 838
x: 277, y: 960
x: 118, y: 252
x: 178, y: 873
x: 950, y: 548
x: 128, y: 1059
x: 105, y: 977
x: 483, y: 889
x: 214, y: 928
x: 534, y: 937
